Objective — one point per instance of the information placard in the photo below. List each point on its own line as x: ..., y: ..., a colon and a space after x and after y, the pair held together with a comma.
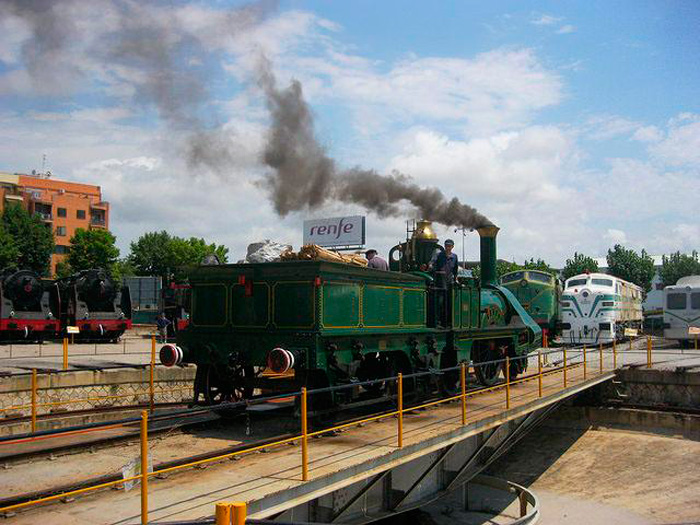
x: 631, y: 332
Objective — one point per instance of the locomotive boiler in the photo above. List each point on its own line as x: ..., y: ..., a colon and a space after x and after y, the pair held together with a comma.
x: 93, y: 302
x: 318, y: 324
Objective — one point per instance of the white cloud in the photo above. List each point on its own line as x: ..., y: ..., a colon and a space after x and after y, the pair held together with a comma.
x: 681, y: 147
x: 616, y: 236
x: 546, y: 20
x: 605, y: 127
x: 648, y: 134
x: 566, y: 29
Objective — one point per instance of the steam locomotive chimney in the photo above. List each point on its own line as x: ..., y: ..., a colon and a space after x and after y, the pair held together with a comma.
x: 488, y: 253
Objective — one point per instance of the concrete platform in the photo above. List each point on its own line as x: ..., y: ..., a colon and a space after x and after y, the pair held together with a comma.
x: 20, y: 358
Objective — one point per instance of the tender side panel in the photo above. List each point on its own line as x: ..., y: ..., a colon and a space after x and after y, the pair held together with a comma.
x: 250, y: 306
x: 294, y: 304
x: 209, y: 305
x: 381, y: 306
x: 341, y: 304
x: 414, y: 307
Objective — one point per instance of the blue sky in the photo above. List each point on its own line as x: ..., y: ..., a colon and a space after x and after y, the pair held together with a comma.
x: 573, y: 125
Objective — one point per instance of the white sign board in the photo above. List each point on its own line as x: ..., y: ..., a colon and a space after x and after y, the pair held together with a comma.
x: 336, y: 231
x: 694, y: 330
x: 73, y: 329
x: 631, y: 332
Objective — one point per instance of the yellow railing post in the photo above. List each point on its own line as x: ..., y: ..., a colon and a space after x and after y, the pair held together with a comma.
x: 463, y: 381
x: 648, y: 351
x: 400, y: 404
x: 223, y: 513
x: 539, y: 371
x: 696, y: 341
x: 153, y: 348
x: 65, y: 353
x: 33, y: 400
x: 151, y: 392
x: 600, y: 350
x: 614, y: 354
x: 144, y: 467
x: 630, y: 343
x: 584, y: 362
x: 565, y: 367
x: 507, y: 382
x: 304, y: 437
x: 239, y: 513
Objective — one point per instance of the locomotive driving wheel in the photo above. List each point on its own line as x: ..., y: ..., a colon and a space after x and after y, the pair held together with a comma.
x: 227, y: 384
x: 488, y: 372
x: 450, y: 381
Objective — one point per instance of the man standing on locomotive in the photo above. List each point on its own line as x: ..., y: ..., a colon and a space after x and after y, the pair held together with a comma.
x: 445, y: 266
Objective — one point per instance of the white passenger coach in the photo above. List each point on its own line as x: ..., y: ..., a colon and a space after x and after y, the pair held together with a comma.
x: 597, y: 307
x: 682, y: 309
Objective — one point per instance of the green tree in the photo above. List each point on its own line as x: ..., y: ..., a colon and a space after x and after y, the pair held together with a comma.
x: 123, y: 268
x: 539, y: 264
x: 8, y: 249
x: 579, y: 263
x: 31, y: 236
x: 637, y: 268
x: 92, y: 249
x: 679, y: 265
x: 159, y: 253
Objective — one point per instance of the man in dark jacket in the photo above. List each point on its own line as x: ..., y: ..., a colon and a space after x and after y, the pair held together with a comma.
x: 445, y: 266
x: 446, y: 263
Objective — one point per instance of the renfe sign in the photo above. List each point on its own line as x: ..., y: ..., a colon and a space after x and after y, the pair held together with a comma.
x: 337, y: 231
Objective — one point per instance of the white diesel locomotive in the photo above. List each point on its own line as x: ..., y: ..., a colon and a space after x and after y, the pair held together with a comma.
x: 597, y: 307
x: 682, y: 309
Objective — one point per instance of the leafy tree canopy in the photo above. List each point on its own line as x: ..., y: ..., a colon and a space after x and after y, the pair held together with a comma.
x: 579, y: 263
x: 32, y: 238
x: 159, y: 253
x: 539, y: 264
x: 679, y: 265
x: 8, y: 249
x: 637, y: 268
x: 92, y: 249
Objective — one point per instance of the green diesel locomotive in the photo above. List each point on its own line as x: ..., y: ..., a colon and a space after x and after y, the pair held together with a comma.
x: 320, y: 324
x: 539, y: 293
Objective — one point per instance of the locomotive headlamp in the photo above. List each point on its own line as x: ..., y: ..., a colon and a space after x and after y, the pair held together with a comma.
x: 12, y: 313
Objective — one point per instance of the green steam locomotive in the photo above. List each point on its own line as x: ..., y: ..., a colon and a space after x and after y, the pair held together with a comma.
x: 538, y: 292
x: 275, y: 327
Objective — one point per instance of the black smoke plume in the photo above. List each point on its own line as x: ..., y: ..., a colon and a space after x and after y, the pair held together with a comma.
x: 146, y: 51
x: 303, y: 176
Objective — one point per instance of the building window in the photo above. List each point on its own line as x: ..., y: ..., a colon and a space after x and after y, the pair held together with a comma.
x: 61, y: 212
x: 61, y: 231
x: 61, y: 250
x: 80, y: 214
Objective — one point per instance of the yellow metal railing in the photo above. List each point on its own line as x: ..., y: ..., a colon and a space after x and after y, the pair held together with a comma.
x: 236, y: 511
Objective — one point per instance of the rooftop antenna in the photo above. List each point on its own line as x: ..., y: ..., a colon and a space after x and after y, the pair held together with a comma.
x: 43, y: 164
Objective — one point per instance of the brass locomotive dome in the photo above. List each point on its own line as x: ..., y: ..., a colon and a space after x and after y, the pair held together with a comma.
x: 424, y: 230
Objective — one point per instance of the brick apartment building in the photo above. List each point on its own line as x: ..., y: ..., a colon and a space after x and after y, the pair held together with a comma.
x: 63, y: 206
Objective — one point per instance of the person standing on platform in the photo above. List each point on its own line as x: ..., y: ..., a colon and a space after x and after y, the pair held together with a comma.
x: 162, y: 322
x: 375, y: 261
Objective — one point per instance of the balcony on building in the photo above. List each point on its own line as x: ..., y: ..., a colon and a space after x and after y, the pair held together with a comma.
x: 98, y: 217
x: 44, y: 211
